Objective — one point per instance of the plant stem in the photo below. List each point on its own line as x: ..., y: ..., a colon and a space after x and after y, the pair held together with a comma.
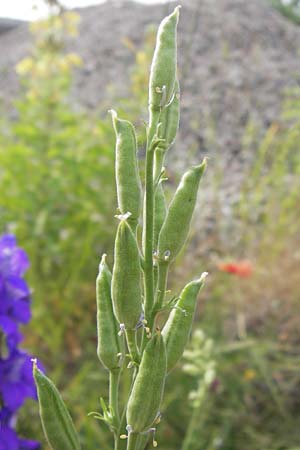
x: 132, y: 346
x: 163, y: 269
x: 114, y: 377
x: 159, y: 157
x: 148, y: 250
x: 142, y: 441
x: 132, y: 441
x: 191, y: 439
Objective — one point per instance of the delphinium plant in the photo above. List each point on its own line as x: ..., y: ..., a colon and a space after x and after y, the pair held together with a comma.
x: 201, y: 364
x: 130, y: 300
x: 16, y: 381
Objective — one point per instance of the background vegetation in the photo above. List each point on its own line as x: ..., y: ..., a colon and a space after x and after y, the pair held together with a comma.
x: 241, y: 382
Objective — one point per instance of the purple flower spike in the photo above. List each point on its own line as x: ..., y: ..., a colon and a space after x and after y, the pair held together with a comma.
x: 16, y: 380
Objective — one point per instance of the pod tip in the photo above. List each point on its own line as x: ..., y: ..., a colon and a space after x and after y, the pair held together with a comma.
x: 34, y: 362
x: 112, y: 112
x: 103, y: 261
x: 203, y: 276
x: 204, y: 162
x: 177, y: 11
x: 34, y: 366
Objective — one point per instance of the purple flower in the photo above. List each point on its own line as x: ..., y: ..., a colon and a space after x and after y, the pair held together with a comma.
x: 13, y: 260
x: 16, y: 380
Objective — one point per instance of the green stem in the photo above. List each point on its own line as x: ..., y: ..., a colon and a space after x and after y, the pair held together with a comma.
x: 142, y: 441
x: 114, y: 378
x: 163, y: 269
x: 120, y: 444
x: 159, y: 157
x: 148, y: 250
x: 132, y: 346
x: 132, y: 441
x: 191, y: 439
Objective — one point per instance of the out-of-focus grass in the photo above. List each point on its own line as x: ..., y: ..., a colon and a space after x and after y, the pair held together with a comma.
x: 57, y: 195
x: 253, y: 320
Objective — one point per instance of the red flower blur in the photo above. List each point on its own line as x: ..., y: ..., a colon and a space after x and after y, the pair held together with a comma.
x: 242, y: 269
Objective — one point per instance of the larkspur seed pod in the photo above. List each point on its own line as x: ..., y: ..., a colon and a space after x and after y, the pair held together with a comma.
x: 169, y: 120
x: 178, y: 326
x: 107, y: 329
x: 167, y: 130
x: 57, y: 423
x: 160, y: 211
x: 146, y: 395
x: 164, y: 63
x: 176, y: 226
x: 128, y: 182
x: 126, y: 287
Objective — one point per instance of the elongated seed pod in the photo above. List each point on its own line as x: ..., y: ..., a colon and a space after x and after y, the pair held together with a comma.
x: 169, y: 119
x: 126, y: 288
x: 146, y: 395
x: 56, y: 421
x: 176, y: 226
x: 107, y: 329
x: 160, y: 211
x: 164, y: 63
x: 178, y: 326
x: 128, y: 181
x: 169, y: 122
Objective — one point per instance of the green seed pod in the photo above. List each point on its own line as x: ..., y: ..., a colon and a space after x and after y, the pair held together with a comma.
x: 108, y: 345
x: 126, y: 288
x: 176, y: 226
x: 178, y: 326
x: 57, y: 423
x: 160, y: 211
x: 146, y: 395
x: 170, y: 120
x: 164, y: 63
x: 127, y: 173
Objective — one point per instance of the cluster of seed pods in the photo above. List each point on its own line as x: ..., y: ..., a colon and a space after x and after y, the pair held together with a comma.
x: 150, y: 235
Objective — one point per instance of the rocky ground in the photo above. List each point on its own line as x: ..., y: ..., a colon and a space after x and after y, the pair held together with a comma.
x: 236, y: 58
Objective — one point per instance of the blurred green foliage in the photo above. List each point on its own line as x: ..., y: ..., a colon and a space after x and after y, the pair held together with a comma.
x: 288, y: 8
x: 57, y: 192
x: 254, y: 319
x: 57, y: 195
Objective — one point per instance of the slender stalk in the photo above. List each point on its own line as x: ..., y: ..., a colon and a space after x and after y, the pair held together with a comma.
x: 120, y: 444
x: 114, y: 378
x: 154, y: 116
x: 142, y: 441
x: 132, y: 441
x: 163, y: 269
x: 191, y: 439
x: 159, y: 157
x: 148, y: 250
x: 132, y: 345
